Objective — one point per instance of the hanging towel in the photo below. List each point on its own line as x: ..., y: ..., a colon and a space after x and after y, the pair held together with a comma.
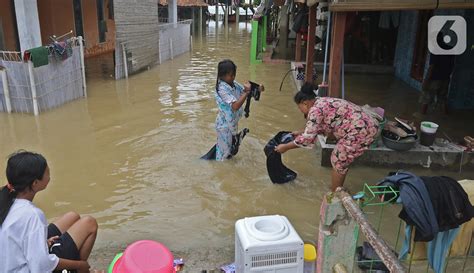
x: 38, y: 55
x: 437, y: 248
x: 278, y: 172
x: 417, y: 207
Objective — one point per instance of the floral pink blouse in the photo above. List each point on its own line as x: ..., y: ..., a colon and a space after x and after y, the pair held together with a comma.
x: 353, y: 128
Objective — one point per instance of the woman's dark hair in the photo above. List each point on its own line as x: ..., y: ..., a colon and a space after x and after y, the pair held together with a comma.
x: 306, y: 93
x: 23, y: 168
x: 223, y: 68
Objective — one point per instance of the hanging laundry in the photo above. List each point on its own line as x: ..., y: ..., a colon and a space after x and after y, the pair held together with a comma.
x: 278, y: 172
x: 451, y: 207
x: 450, y: 202
x: 236, y: 141
x: 62, y: 50
x: 437, y: 248
x: 38, y: 55
x: 417, y: 207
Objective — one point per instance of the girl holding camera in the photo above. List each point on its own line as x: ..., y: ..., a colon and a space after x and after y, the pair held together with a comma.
x: 230, y: 97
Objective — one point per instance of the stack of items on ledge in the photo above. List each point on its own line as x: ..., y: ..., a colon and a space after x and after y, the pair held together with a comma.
x: 399, y: 135
x: 435, y: 208
x: 469, y: 141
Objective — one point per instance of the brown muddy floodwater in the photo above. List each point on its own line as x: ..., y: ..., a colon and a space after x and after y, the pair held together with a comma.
x: 129, y: 156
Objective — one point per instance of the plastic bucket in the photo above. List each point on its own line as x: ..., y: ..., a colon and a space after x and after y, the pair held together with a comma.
x: 428, y: 127
x: 144, y: 257
x: 427, y: 139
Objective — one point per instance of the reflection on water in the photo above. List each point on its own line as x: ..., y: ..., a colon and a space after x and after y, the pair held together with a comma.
x: 129, y: 153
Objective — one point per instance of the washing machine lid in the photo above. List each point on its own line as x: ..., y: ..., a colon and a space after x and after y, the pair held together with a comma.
x: 267, y: 228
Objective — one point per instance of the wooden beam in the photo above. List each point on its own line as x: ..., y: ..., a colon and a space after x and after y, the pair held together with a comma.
x: 337, y: 45
x: 310, y: 44
x: 298, y: 48
x: 386, y: 254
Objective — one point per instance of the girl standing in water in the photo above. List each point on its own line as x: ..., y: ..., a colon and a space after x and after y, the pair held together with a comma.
x: 230, y: 97
x: 353, y: 128
x: 28, y: 243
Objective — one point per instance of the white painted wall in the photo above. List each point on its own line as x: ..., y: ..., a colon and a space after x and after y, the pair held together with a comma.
x: 28, y: 24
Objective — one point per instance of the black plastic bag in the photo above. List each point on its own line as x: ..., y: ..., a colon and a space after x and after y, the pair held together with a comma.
x: 367, y: 259
x: 278, y: 172
x: 236, y: 141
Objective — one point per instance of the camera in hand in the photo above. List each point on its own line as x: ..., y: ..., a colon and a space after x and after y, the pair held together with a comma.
x: 255, y: 90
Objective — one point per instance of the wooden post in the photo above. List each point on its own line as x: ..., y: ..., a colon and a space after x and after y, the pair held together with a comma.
x: 237, y: 15
x: 200, y: 20
x: 83, y: 65
x: 193, y: 19
x: 33, y: 88
x: 337, y: 42
x: 171, y: 49
x: 298, y: 48
x: 254, y: 42
x: 226, y: 16
x: 310, y: 44
x: 217, y: 12
x: 125, y: 63
x: 379, y: 245
x: 6, y: 89
x: 264, y: 32
x: 337, y: 238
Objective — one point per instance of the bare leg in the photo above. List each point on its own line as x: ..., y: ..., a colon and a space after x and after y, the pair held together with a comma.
x: 66, y: 221
x: 84, y: 232
x: 337, y: 179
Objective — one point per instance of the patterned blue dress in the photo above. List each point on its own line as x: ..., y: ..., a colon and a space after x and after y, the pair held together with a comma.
x: 227, y: 119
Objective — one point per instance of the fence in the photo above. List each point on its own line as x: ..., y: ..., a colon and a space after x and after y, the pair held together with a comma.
x: 344, y: 216
x: 26, y: 89
x: 174, y: 39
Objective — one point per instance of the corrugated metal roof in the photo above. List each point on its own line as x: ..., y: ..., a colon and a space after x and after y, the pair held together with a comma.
x: 186, y: 3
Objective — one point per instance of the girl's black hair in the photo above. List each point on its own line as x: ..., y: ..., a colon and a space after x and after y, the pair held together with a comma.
x: 23, y: 168
x: 223, y: 68
x: 306, y: 93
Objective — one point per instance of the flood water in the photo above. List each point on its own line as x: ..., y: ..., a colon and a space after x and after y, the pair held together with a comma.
x: 129, y: 155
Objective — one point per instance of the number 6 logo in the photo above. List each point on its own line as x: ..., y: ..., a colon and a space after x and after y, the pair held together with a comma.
x: 447, y: 35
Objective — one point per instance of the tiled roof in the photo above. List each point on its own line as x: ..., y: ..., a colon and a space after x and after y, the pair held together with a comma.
x: 186, y: 3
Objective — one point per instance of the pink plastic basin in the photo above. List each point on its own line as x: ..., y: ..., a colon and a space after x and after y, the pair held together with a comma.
x: 145, y: 257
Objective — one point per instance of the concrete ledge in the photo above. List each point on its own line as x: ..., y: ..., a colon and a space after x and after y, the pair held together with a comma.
x: 450, y: 157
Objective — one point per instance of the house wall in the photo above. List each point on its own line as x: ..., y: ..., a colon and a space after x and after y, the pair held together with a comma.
x: 8, y: 27
x: 90, y: 23
x: 461, y: 94
x: 57, y: 18
x: 136, y: 24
